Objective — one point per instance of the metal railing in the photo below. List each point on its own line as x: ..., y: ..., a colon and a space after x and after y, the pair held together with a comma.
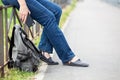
x: 7, y: 21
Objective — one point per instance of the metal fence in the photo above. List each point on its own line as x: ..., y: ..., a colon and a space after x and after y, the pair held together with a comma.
x: 6, y: 23
x: 8, y: 20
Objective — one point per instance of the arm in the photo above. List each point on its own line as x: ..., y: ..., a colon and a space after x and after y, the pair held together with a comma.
x: 23, y: 11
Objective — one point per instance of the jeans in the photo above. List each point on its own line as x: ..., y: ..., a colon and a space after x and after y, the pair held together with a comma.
x: 45, y: 44
x: 48, y: 15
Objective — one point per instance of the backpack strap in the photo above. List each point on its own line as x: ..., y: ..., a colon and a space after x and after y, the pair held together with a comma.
x: 11, y: 44
x: 11, y: 62
x: 29, y: 22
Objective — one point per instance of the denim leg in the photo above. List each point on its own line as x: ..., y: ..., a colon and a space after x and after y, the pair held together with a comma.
x: 46, y: 18
x: 44, y: 43
x: 51, y: 29
x: 53, y: 7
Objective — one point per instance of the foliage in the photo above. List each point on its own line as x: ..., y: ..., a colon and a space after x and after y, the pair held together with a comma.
x: 0, y: 2
x: 66, y: 11
x: 15, y: 74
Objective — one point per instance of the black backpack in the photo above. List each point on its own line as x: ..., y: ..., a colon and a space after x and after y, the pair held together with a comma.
x: 27, y: 55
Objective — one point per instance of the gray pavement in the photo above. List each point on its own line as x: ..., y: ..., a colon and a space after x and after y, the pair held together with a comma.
x: 93, y: 33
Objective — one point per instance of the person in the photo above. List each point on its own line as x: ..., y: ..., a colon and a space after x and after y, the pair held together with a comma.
x: 48, y: 15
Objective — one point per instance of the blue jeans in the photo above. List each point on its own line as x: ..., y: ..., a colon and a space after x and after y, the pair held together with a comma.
x: 44, y: 43
x: 48, y: 15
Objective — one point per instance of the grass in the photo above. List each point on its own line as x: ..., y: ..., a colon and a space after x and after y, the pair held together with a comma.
x: 15, y: 74
x: 66, y: 11
x: 0, y: 2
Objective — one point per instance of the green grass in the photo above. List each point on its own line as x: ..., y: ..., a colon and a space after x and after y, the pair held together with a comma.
x: 14, y: 74
x: 0, y: 2
x: 66, y: 11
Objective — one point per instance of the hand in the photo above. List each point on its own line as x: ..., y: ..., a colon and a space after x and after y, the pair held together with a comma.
x: 23, y: 12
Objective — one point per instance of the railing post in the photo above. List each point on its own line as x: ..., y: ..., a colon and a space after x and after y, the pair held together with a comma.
x: 33, y: 31
x: 37, y: 28
x: 6, y: 34
x: 1, y: 43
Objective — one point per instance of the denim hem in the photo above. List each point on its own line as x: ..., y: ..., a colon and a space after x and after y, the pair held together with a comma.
x: 67, y: 60
x: 50, y: 52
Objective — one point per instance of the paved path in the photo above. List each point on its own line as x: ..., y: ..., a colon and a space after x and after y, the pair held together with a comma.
x: 93, y: 32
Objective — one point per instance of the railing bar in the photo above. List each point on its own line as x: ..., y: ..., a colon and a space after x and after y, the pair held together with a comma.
x: 1, y: 42
x: 37, y: 28
x: 6, y: 34
x: 10, y: 20
x: 33, y: 31
x: 6, y: 6
x: 14, y: 16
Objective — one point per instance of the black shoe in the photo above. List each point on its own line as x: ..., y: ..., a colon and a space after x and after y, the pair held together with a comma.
x: 49, y: 61
x: 77, y: 63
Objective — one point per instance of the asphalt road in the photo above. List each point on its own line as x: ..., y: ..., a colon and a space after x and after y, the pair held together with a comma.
x: 93, y: 32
